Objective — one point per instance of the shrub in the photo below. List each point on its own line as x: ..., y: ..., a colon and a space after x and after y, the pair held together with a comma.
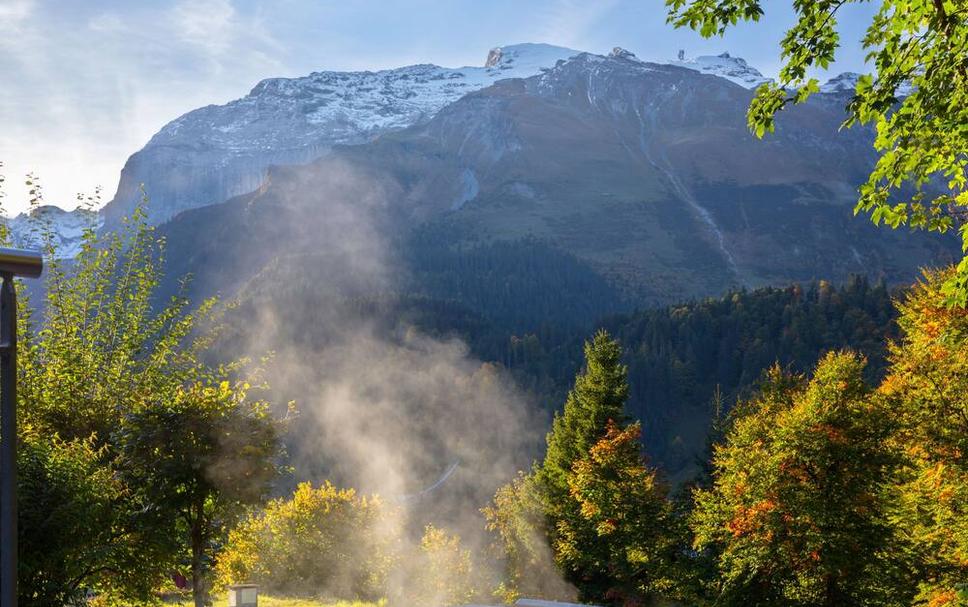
x: 441, y: 572
x: 321, y: 540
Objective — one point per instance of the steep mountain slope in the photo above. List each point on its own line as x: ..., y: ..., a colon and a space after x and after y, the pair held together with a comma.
x: 216, y: 152
x: 220, y: 151
x: 642, y: 174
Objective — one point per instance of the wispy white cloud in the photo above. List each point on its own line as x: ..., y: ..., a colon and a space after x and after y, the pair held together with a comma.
x: 85, y: 89
x: 216, y: 30
x: 212, y: 25
x: 13, y: 12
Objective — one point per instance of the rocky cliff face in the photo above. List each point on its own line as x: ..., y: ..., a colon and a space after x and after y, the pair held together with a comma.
x: 216, y: 152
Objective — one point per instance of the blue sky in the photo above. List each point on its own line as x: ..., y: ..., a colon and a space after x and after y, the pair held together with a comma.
x: 86, y: 83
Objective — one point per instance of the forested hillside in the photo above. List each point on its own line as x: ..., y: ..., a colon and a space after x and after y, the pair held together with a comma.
x: 686, y: 361
x: 690, y: 360
x: 822, y: 489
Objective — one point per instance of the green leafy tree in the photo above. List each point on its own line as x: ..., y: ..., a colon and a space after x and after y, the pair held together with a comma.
x: 798, y: 513
x: 442, y: 572
x: 200, y: 456
x: 100, y: 346
x: 916, y: 97
x: 622, y: 501
x: 74, y: 527
x: 101, y: 534
x: 516, y: 516
x: 928, y: 390
x: 101, y: 365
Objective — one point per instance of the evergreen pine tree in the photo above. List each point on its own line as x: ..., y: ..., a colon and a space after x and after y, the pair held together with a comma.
x: 599, y: 395
x: 596, y: 402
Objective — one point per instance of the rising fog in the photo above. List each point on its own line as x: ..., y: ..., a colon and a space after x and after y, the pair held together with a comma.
x: 382, y: 406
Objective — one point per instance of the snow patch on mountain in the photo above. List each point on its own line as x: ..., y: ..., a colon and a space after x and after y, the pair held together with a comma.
x: 66, y: 228
x: 621, y: 53
x: 845, y: 82
x: 734, y: 69
x: 327, y: 108
x: 470, y: 188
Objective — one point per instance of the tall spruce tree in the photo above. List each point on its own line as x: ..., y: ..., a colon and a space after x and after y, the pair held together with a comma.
x: 599, y: 395
x: 596, y: 402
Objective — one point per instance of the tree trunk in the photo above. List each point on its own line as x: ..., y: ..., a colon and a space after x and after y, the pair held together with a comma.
x: 199, y: 581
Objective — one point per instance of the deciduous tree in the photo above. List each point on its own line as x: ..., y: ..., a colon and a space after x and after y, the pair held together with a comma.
x: 628, y: 531
x: 117, y: 395
x: 798, y: 513
x: 927, y: 389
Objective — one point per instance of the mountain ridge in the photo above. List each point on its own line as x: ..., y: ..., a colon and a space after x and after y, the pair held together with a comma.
x: 643, y: 174
x: 213, y: 153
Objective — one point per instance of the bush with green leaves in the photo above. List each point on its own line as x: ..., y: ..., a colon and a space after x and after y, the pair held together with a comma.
x: 516, y: 519
x: 75, y: 529
x: 320, y: 541
x: 441, y: 573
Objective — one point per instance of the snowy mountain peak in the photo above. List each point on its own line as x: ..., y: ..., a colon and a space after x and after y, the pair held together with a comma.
x: 66, y: 227
x: 845, y: 82
x: 734, y: 69
x: 528, y: 57
x: 621, y: 53
x: 296, y: 120
x: 220, y: 151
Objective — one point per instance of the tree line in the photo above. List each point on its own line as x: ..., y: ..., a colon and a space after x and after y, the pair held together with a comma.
x: 823, y: 489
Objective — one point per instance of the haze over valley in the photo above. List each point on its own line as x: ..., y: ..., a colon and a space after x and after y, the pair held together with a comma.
x: 562, y: 325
